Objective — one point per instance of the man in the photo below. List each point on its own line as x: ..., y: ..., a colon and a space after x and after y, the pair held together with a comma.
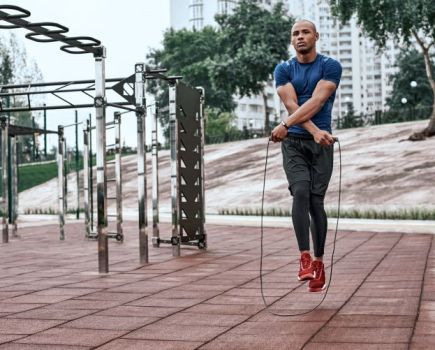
x: 306, y: 85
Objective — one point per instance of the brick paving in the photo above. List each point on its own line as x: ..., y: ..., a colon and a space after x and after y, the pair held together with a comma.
x: 382, y: 294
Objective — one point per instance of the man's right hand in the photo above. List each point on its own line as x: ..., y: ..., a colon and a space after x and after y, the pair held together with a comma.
x: 279, y: 133
x: 323, y: 138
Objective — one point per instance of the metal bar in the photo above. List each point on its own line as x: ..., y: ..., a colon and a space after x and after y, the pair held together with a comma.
x: 65, y: 173
x: 122, y: 106
x: 60, y: 183
x: 14, y: 186
x: 5, y: 194
x: 148, y: 75
x: 73, y: 124
x: 60, y: 98
x: 51, y: 92
x: 17, y: 175
x: 141, y: 160
x: 9, y: 168
x: 86, y: 177
x: 155, y: 178
x: 45, y: 132
x: 202, y: 133
x: 40, y: 108
x: 66, y: 83
x: 33, y: 140
x: 77, y: 166
x: 53, y: 35
x: 118, y: 172
x: 91, y: 174
x: 100, y: 112
x: 159, y: 75
x: 173, y: 132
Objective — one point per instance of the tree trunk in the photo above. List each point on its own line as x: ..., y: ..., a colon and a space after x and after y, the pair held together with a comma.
x: 430, y: 128
x: 266, y: 114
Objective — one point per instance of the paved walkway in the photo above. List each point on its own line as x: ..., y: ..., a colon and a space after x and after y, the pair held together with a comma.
x: 382, y: 294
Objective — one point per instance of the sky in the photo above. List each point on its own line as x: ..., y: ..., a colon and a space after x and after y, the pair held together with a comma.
x: 128, y: 29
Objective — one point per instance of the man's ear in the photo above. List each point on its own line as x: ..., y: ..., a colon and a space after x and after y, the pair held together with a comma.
x: 317, y: 36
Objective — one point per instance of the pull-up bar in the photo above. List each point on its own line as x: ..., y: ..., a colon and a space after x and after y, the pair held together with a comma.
x: 48, y: 32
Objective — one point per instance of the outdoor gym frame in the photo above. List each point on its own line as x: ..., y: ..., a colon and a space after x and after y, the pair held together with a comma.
x: 187, y: 187
x: 9, y: 164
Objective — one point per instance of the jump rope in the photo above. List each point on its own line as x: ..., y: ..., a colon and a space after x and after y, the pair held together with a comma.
x: 261, y: 240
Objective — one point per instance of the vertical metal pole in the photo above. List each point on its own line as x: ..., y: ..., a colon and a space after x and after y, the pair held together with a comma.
x: 17, y: 176
x: 45, y: 133
x: 202, y: 133
x: 155, y: 178
x: 77, y: 166
x: 33, y: 140
x: 14, y: 185
x: 5, y: 194
x: 173, y: 130
x: 65, y: 172
x: 141, y: 161
x: 60, y: 182
x: 86, y: 177
x: 91, y: 174
x: 118, y: 174
x: 100, y: 113
x: 9, y: 166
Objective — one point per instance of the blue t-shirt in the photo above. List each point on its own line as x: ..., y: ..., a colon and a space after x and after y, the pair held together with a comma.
x: 304, y: 78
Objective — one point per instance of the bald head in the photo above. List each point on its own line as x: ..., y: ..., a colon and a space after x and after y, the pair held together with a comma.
x: 306, y: 22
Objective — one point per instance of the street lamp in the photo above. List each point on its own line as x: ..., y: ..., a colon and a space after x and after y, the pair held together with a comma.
x: 414, y: 100
x: 404, y: 100
x: 251, y: 125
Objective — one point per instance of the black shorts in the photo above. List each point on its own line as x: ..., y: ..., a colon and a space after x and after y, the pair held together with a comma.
x: 306, y: 160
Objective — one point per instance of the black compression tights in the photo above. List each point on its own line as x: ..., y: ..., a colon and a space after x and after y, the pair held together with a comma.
x: 306, y: 204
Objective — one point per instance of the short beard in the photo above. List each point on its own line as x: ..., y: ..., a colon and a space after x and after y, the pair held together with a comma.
x: 304, y: 51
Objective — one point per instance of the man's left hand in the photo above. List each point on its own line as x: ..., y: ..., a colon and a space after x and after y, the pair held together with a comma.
x: 323, y: 138
x: 279, y: 133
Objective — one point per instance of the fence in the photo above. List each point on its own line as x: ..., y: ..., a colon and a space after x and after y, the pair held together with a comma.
x: 393, y: 115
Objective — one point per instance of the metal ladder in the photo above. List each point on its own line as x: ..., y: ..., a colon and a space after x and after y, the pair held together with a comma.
x: 114, y: 184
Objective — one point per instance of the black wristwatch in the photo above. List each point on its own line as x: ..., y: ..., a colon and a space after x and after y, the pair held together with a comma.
x: 284, y: 124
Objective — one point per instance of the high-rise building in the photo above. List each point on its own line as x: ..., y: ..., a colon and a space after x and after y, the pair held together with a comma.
x: 199, y: 13
x: 366, y: 71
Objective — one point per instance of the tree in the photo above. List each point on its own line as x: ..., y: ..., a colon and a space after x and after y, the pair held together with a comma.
x: 219, y: 127
x: 6, y: 73
x: 411, y: 67
x: 350, y: 120
x: 16, y: 68
x: 20, y: 69
x: 402, y: 21
x: 254, y: 40
x: 189, y: 53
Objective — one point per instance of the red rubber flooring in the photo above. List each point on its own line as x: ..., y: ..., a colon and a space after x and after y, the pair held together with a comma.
x: 382, y: 294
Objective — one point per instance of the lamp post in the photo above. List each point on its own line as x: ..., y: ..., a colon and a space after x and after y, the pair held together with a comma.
x: 404, y: 101
x: 413, y: 85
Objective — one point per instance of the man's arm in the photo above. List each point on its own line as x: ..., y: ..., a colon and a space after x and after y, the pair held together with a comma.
x: 324, y: 89
x: 288, y: 96
x: 303, y: 114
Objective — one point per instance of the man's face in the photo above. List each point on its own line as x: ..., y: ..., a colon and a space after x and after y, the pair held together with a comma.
x: 304, y: 37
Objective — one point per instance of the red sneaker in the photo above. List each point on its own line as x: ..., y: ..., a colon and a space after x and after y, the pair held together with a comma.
x: 317, y: 284
x: 305, y: 267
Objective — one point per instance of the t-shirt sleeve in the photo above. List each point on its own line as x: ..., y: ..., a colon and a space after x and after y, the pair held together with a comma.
x: 280, y: 75
x: 332, y: 71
